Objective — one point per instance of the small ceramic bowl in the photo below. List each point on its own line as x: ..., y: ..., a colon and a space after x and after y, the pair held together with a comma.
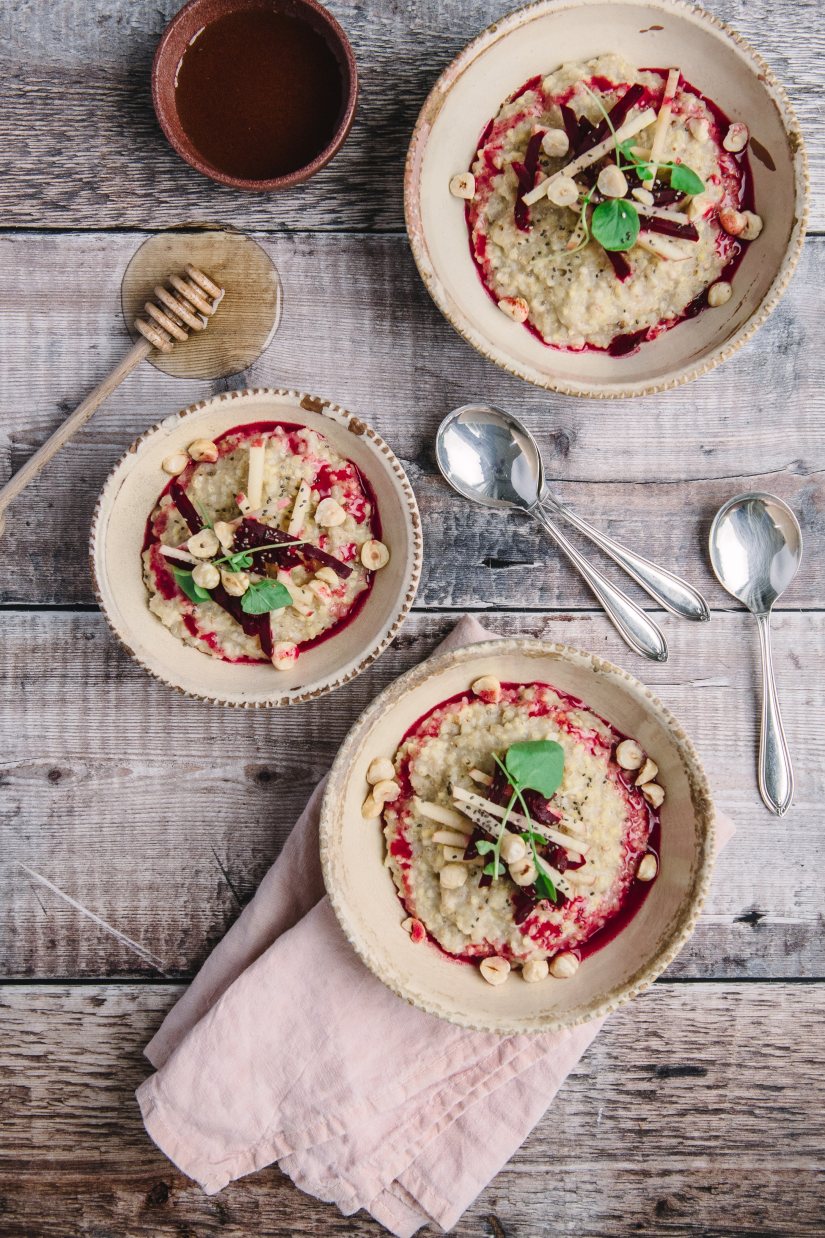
x: 364, y: 897
x: 130, y: 494
x: 653, y: 33
x: 177, y: 36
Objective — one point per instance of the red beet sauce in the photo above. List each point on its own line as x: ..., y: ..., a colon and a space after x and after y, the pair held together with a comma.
x: 361, y: 497
x: 736, y: 175
x: 429, y: 725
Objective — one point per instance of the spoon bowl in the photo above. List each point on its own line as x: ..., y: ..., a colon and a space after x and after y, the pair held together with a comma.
x: 490, y: 458
x: 755, y: 551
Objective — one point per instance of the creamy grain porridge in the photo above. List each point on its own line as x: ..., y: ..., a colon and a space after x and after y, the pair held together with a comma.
x: 264, y: 542
x: 578, y: 851
x: 606, y: 203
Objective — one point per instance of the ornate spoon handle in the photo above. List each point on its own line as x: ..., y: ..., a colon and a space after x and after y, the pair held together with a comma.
x: 775, y: 769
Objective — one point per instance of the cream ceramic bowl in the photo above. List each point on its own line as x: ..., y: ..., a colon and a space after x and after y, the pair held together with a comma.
x: 131, y: 493
x: 364, y: 897
x: 656, y: 33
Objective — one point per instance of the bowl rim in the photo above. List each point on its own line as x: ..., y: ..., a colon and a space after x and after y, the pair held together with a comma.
x: 608, y: 390
x: 384, y: 456
x: 175, y: 134
x: 700, y: 795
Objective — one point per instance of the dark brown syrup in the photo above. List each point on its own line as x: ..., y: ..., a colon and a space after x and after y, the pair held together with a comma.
x: 259, y: 93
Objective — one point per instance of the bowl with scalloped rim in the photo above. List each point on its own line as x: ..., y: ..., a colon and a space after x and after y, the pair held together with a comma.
x: 364, y: 896
x: 131, y: 492
x: 538, y: 39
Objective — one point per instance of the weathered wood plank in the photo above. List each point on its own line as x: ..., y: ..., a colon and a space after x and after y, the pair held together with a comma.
x: 651, y: 471
x: 83, y: 147
x: 622, y: 1148
x: 161, y: 814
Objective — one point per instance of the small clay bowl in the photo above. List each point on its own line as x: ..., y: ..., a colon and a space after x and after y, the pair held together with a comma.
x: 191, y: 19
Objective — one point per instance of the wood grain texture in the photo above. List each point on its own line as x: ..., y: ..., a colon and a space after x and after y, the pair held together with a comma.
x: 161, y: 814
x: 107, y: 164
x: 693, y: 1142
x: 651, y: 471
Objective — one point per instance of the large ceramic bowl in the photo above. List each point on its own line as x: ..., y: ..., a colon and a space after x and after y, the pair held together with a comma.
x: 656, y: 33
x: 363, y: 894
x: 131, y: 493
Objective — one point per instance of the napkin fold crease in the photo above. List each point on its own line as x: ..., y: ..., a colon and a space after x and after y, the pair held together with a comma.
x: 286, y: 1048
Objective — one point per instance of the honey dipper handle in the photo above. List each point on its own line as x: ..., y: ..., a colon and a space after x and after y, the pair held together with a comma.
x: 70, y: 426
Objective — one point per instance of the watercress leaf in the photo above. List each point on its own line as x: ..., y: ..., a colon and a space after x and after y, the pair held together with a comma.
x: 545, y: 887
x: 484, y: 847
x: 644, y: 171
x: 265, y: 595
x: 684, y: 179
x: 241, y: 561
x: 194, y: 592
x: 491, y: 869
x: 615, y: 224
x: 537, y: 765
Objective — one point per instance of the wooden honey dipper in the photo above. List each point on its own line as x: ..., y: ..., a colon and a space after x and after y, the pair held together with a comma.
x: 188, y: 306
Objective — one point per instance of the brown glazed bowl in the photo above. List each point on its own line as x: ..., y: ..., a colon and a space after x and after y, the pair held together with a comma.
x: 174, y: 42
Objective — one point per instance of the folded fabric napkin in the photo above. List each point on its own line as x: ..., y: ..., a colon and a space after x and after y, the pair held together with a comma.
x: 286, y: 1048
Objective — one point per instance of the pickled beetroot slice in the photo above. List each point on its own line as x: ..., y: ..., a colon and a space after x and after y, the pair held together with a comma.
x: 526, y: 173
x: 618, y: 114
x: 251, y: 624
x: 666, y: 196
x: 571, y: 125
x: 620, y: 265
x: 668, y: 227
x: 524, y: 903
x: 584, y: 132
x: 471, y: 850
x: 251, y: 533
x: 186, y: 507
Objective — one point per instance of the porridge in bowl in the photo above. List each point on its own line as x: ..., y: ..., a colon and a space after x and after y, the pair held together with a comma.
x: 263, y: 543
x: 607, y: 203
x: 521, y: 828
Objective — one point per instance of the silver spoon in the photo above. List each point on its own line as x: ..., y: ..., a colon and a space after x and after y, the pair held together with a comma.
x: 490, y: 458
x: 755, y: 550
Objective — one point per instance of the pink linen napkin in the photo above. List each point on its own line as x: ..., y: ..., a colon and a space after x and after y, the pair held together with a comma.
x: 286, y: 1048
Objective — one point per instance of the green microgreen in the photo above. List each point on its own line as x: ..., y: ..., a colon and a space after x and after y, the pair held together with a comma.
x: 194, y: 592
x: 265, y: 595
x: 615, y: 224
x: 533, y: 765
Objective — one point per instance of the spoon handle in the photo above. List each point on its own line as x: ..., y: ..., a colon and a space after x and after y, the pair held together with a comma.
x: 775, y: 769
x: 675, y: 594
x: 640, y: 632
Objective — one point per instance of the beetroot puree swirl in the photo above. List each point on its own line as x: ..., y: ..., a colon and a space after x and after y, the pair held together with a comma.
x: 644, y: 830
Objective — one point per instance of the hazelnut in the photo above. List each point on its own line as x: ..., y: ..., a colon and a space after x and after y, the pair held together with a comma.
x: 203, y: 545
x: 698, y: 128
x: 555, y: 143
x: 326, y: 574
x: 648, y: 868
x: 370, y: 809
x: 737, y: 137
x: 643, y: 195
x: 513, y: 848
x: 515, y: 308
x: 523, y: 872
x: 175, y: 464
x: 463, y: 185
x: 629, y: 755
x: 647, y: 773
x: 235, y: 583
x: 535, y: 970
x: 379, y: 770
x: 732, y: 221
x: 203, y: 450
x: 329, y: 514
x: 488, y: 688
x: 719, y: 293
x: 698, y: 206
x: 386, y: 791
x: 753, y: 226
x: 414, y: 927
x: 206, y: 575
x: 612, y: 182
x: 452, y: 876
x: 563, y: 191
x: 284, y: 654
x: 225, y: 534
x: 495, y: 970
x: 564, y: 965
x: 374, y: 555
x: 654, y: 794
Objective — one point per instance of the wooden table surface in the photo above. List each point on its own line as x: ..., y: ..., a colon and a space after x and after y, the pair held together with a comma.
x: 699, y: 1109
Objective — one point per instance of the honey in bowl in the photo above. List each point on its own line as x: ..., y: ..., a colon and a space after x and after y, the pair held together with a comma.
x: 259, y: 93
